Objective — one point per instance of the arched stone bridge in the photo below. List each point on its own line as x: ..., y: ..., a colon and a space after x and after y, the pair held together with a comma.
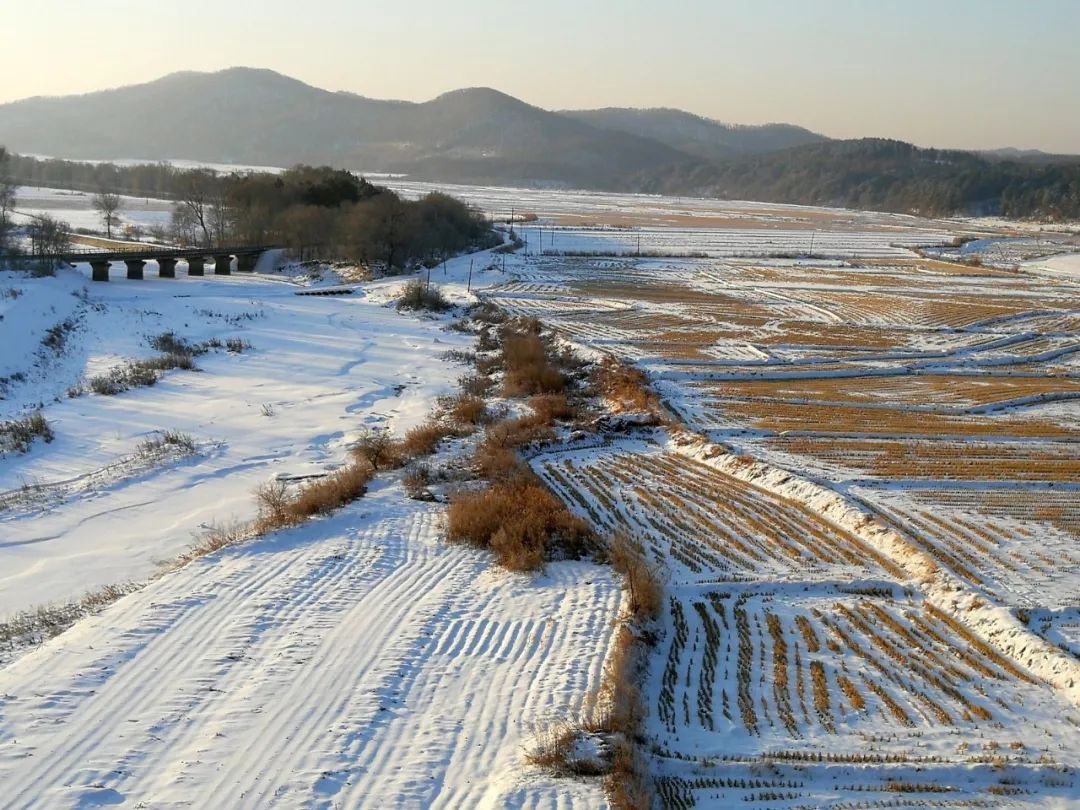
x: 196, y: 258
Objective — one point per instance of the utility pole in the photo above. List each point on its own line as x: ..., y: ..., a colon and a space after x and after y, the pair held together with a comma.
x: 468, y: 288
x: 511, y: 223
x: 428, y: 287
x: 812, y: 235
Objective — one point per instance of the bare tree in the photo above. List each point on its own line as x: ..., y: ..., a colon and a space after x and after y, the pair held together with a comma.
x: 197, y: 191
x: 107, y: 205
x: 48, y: 235
x: 8, y: 190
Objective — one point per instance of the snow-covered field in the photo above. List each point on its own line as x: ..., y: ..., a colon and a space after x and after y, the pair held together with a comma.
x: 76, y: 208
x: 867, y: 521
x: 870, y: 541
x: 355, y: 661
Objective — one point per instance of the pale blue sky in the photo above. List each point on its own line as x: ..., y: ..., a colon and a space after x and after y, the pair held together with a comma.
x: 965, y: 73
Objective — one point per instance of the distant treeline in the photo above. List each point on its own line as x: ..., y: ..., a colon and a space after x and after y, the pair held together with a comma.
x: 886, y: 175
x: 317, y: 212
x: 145, y: 180
x: 871, y: 174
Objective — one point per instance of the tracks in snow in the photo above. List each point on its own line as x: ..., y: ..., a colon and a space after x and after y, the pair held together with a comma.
x: 355, y: 661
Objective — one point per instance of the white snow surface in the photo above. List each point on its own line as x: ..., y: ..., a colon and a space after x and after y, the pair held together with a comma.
x: 355, y: 661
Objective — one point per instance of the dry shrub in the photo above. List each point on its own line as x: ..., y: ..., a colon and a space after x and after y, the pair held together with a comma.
x: 625, y: 387
x: 553, y: 750
x: 550, y: 408
x: 488, y: 313
x: 496, y: 459
x: 279, y: 509
x: 640, y: 578
x: 466, y: 410
x: 18, y: 435
x: 527, y: 369
x: 416, y: 481
x: 488, y: 365
x: 335, y: 490
x: 518, y: 432
x: 215, y: 538
x: 379, y: 449
x: 476, y: 384
x: 626, y: 786
x: 498, y: 463
x: 519, y: 521
x: 416, y: 295
x: 423, y: 439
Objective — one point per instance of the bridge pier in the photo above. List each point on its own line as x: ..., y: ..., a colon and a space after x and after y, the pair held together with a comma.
x: 245, y: 262
x: 99, y: 270
x: 166, y: 268
x: 222, y: 264
x: 196, y: 266
x: 135, y: 268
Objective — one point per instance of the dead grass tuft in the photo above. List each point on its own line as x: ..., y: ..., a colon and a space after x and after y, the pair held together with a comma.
x: 424, y: 439
x: 626, y: 388
x: 465, y: 410
x: 527, y: 369
x: 640, y: 577
x: 477, y: 385
x: 17, y: 435
x: 279, y: 508
x: 550, y: 408
x: 520, y: 522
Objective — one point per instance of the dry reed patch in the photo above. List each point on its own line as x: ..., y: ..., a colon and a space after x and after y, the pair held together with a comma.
x: 640, y: 578
x: 526, y: 367
x: 626, y: 388
x: 557, y: 749
x: 520, y: 522
x: 551, y: 408
x: 18, y: 435
x: 280, y: 509
x: 46, y: 621
x: 424, y: 439
x: 465, y: 409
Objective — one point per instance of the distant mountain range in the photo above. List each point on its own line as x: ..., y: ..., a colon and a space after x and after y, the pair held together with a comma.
x: 478, y: 135
x: 250, y: 116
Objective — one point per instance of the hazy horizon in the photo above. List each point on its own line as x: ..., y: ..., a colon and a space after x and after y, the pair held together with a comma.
x: 975, y: 75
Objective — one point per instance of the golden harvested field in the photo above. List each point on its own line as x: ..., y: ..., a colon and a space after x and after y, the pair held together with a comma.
x: 782, y: 417
x: 941, y: 460
x: 705, y: 522
x: 922, y: 390
x: 872, y: 570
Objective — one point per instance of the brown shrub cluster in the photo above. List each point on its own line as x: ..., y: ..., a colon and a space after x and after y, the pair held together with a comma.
x: 279, y: 508
x: 551, y: 408
x: 423, y: 440
x: 465, y: 409
x: 520, y: 522
x: 527, y: 368
x: 379, y: 449
x: 624, y: 387
x: 640, y: 577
